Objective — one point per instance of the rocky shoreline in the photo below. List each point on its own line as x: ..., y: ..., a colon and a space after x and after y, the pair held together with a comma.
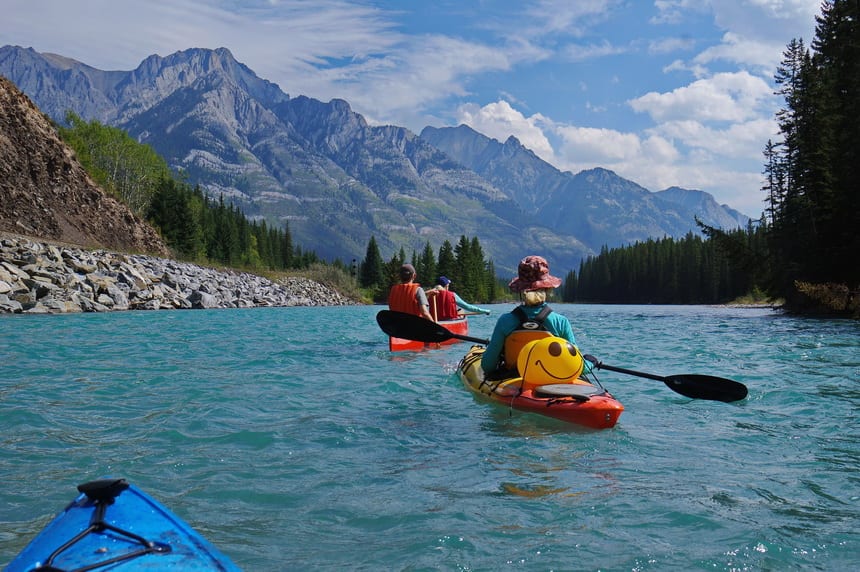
x: 42, y: 278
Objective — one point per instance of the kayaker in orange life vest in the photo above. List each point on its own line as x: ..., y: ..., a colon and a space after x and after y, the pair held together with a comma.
x: 531, y: 320
x: 445, y: 304
x: 409, y: 296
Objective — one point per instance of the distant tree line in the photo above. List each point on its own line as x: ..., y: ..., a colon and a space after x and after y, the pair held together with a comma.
x: 691, y: 270
x: 200, y: 228
x: 472, y: 276
x: 193, y: 225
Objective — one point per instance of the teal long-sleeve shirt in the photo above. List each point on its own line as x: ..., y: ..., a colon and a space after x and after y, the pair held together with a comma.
x: 557, y: 325
x: 468, y: 307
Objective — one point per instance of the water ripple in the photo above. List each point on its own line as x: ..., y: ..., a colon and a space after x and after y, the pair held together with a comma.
x: 292, y: 438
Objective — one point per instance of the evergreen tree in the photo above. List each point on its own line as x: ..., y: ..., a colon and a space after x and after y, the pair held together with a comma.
x: 447, y: 265
x: 812, y: 173
x: 568, y: 293
x: 425, y: 266
x: 372, y: 274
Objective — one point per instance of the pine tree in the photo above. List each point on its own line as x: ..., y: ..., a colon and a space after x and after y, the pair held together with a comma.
x: 372, y: 272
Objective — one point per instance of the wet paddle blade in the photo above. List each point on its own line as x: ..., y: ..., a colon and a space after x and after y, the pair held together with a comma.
x: 691, y: 385
x: 706, y: 387
x: 411, y: 327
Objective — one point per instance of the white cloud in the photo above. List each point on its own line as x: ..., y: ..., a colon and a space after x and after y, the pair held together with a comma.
x: 736, y: 96
x: 581, y: 53
x: 758, y: 54
x: 766, y: 20
x: 737, y: 141
x: 565, y: 17
x: 669, y: 45
x: 412, y: 79
x: 499, y: 120
x: 595, y: 146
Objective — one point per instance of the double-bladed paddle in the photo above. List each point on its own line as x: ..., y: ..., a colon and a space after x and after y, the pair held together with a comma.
x: 694, y: 386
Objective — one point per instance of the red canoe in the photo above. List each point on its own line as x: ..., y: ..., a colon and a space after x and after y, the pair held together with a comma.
x: 459, y: 327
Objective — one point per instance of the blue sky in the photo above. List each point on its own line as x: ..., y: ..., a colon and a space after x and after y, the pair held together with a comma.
x: 663, y: 92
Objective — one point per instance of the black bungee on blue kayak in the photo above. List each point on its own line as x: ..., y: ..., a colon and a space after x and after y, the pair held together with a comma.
x: 113, y: 525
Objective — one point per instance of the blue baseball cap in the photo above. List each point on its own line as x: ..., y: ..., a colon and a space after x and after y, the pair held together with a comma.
x: 443, y: 281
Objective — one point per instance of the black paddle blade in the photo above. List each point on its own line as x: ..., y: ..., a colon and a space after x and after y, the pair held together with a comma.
x: 411, y: 327
x: 691, y: 385
x: 706, y: 387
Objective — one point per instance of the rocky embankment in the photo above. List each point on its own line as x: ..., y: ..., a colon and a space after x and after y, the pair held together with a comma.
x: 39, y: 278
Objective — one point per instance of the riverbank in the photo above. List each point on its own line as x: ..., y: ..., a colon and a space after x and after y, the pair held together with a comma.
x: 46, y: 278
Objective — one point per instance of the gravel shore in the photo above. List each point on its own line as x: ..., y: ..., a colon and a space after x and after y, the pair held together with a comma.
x: 46, y: 278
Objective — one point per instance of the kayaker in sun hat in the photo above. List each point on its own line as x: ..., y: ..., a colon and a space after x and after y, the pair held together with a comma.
x: 532, y: 319
x: 409, y: 296
x: 446, y: 302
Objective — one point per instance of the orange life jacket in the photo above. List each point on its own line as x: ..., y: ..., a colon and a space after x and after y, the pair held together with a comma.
x: 442, y: 305
x: 401, y: 298
x: 528, y: 331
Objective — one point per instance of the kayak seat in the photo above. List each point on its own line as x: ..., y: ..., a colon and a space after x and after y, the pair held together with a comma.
x: 103, y: 490
x: 576, y: 390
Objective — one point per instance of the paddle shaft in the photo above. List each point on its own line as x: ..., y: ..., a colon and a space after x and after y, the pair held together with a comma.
x: 601, y: 365
x: 468, y: 338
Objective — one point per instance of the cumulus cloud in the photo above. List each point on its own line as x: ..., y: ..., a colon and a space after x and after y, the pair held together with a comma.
x: 499, y: 120
x: 736, y: 96
x: 757, y: 54
x: 745, y: 17
x: 737, y: 140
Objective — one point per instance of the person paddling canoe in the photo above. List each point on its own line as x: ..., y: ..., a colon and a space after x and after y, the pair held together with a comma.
x: 409, y: 296
x: 447, y: 304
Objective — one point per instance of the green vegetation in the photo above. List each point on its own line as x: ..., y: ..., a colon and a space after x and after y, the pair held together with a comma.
x: 120, y: 165
x: 812, y: 172
x: 194, y: 226
x: 473, y: 276
x: 691, y: 270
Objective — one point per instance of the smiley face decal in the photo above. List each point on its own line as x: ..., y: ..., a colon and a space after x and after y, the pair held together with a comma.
x: 549, y: 360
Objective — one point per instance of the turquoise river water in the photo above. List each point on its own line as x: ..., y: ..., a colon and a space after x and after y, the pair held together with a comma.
x: 293, y: 440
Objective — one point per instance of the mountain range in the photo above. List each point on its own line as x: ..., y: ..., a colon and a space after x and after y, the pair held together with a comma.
x: 337, y: 181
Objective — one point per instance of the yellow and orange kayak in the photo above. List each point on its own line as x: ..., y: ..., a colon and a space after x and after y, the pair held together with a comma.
x: 576, y: 401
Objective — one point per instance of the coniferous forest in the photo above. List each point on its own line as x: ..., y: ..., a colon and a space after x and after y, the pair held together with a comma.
x: 195, y: 226
x: 472, y: 276
x: 812, y: 171
x: 691, y: 270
